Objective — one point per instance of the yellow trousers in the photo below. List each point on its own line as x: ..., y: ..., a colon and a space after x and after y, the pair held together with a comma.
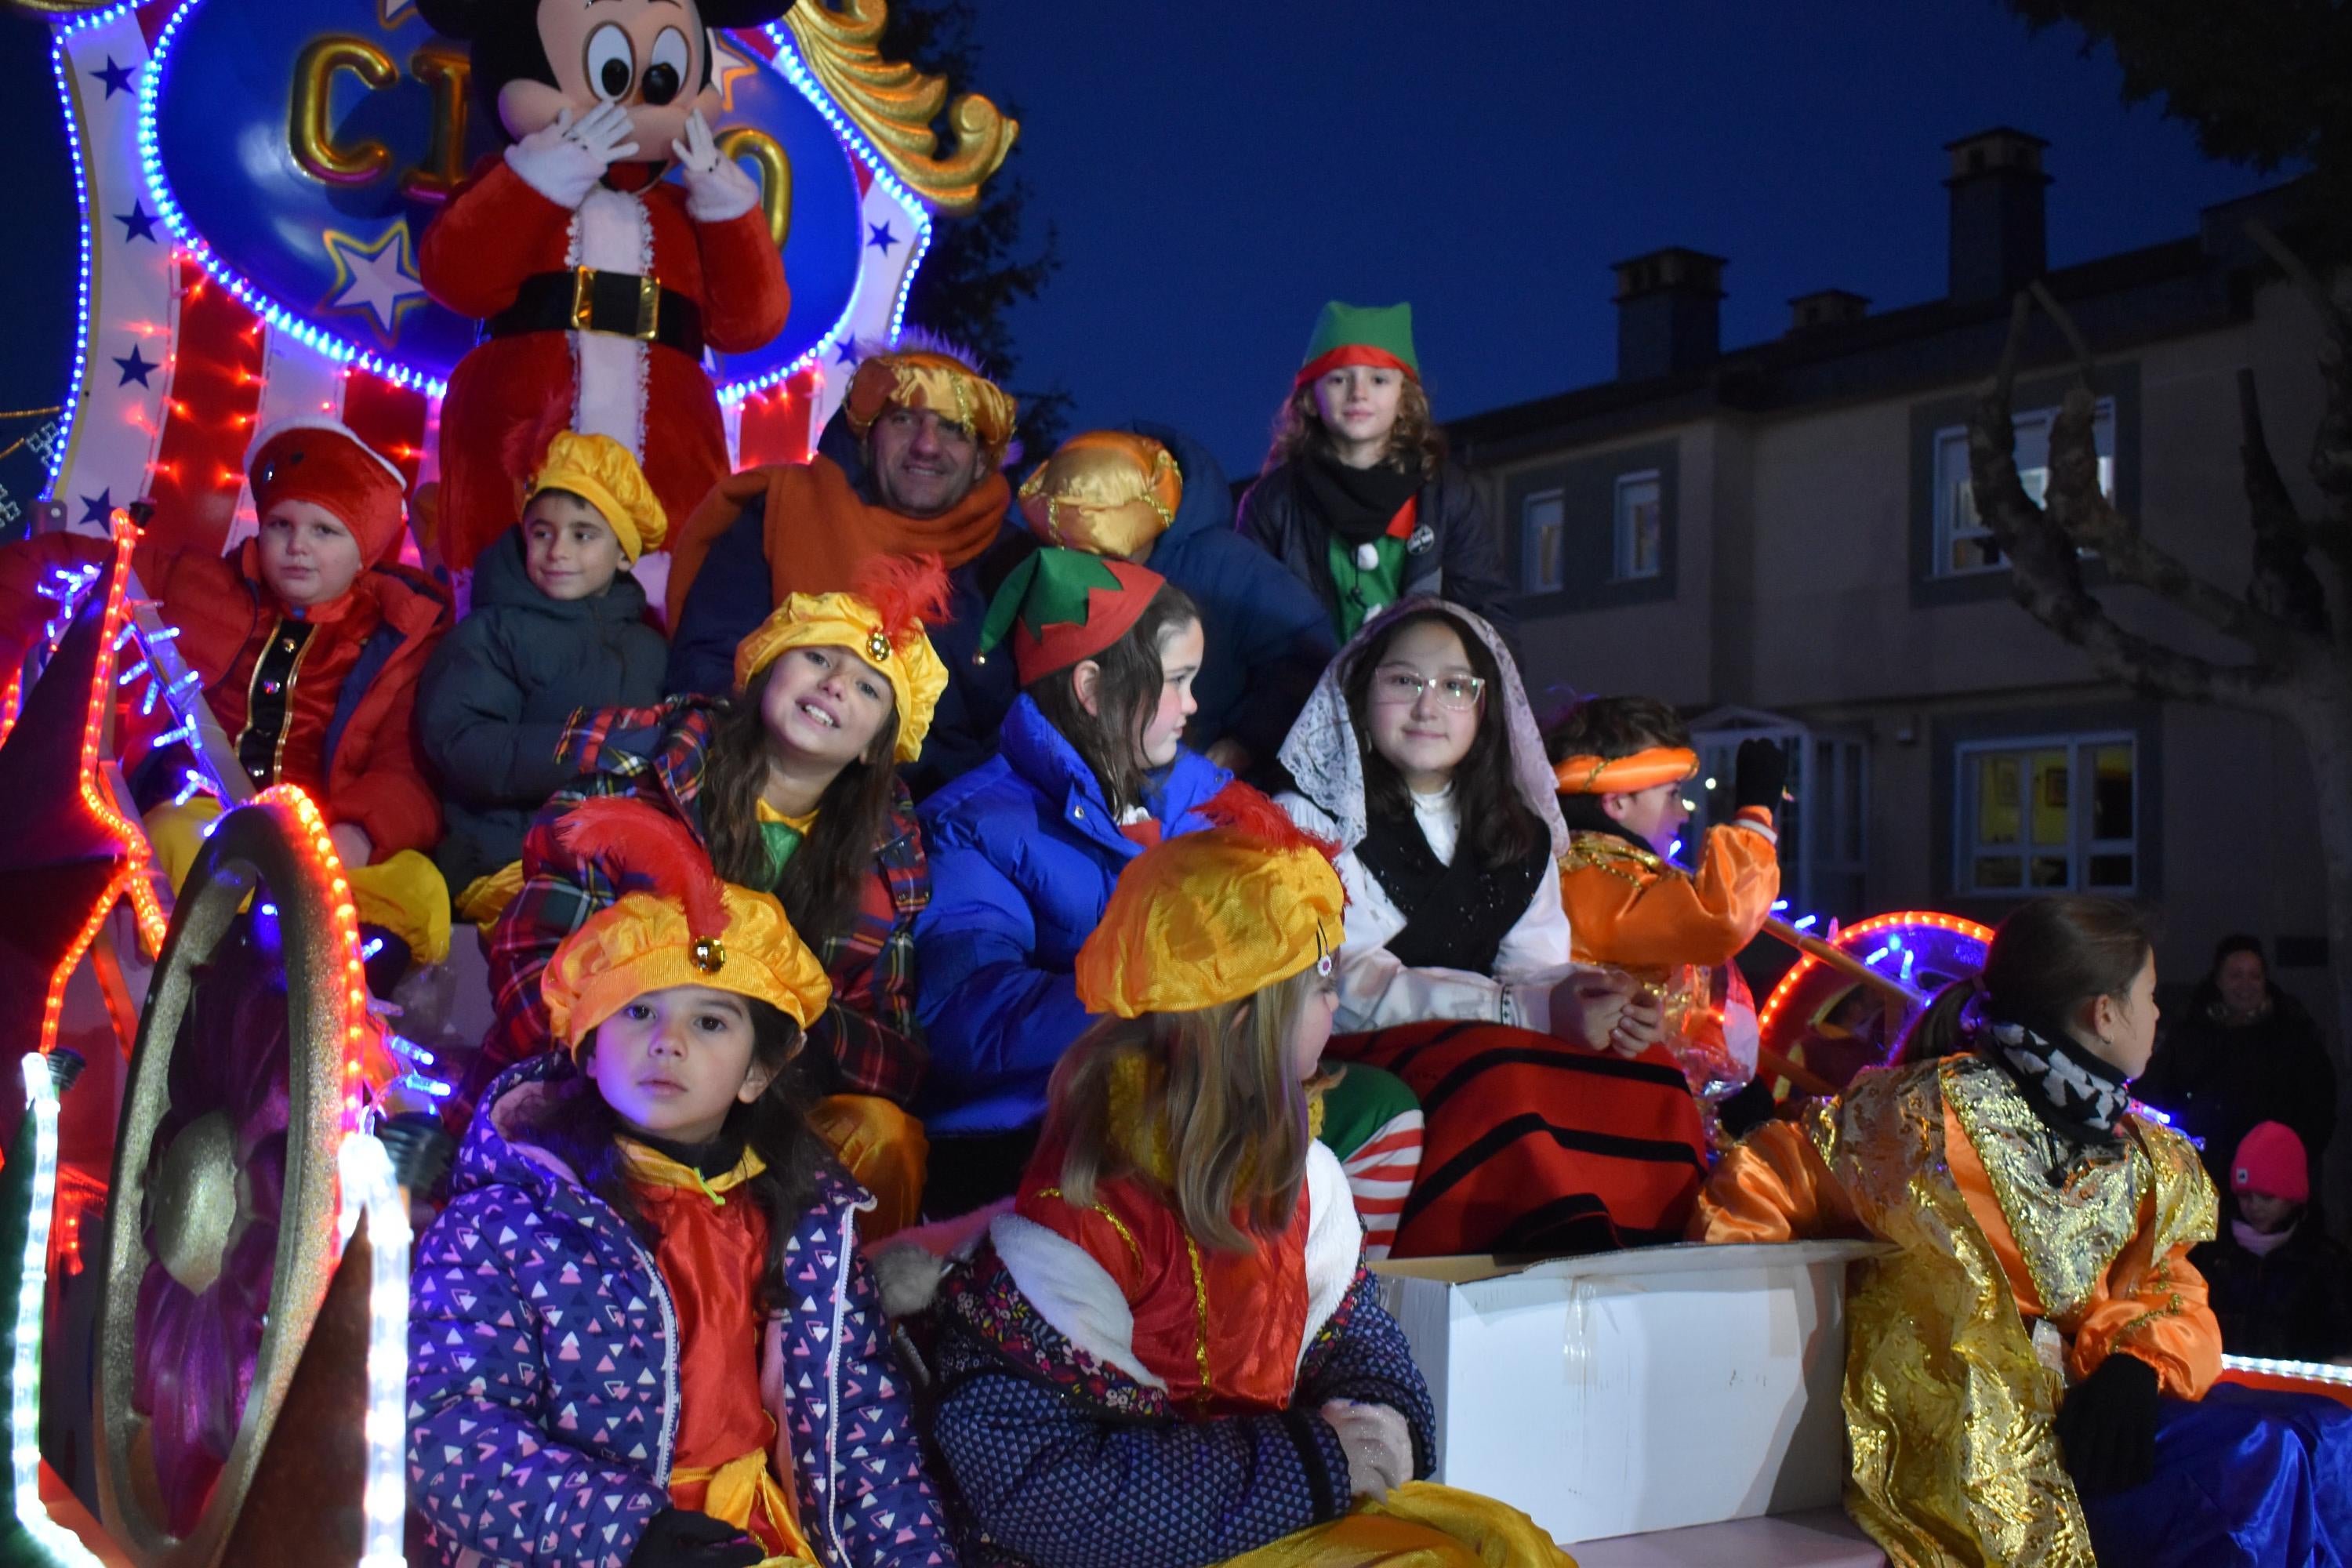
x: 1420, y: 1525
x: 402, y: 893
x: 884, y: 1148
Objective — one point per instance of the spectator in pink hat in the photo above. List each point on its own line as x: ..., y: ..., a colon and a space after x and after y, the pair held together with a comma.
x: 2280, y: 1285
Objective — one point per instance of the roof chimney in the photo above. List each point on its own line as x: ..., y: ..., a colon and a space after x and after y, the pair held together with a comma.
x: 1669, y: 309
x: 1826, y: 307
x: 1998, y: 242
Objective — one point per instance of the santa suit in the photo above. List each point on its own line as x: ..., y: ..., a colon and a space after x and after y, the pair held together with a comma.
x: 500, y: 230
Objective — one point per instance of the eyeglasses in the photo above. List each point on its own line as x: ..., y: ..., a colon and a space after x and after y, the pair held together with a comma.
x: 1397, y: 685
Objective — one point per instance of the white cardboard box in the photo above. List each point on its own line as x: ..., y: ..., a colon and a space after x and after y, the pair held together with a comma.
x: 1636, y: 1391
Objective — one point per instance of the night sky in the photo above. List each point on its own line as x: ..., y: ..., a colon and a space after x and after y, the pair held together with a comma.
x: 1216, y: 173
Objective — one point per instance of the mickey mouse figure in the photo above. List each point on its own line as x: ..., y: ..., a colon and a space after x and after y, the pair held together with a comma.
x: 599, y: 282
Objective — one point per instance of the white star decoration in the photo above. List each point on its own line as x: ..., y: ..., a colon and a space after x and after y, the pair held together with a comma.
x: 377, y: 278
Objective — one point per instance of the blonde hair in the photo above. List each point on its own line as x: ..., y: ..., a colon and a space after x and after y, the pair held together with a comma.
x: 1298, y: 429
x: 1219, y: 1096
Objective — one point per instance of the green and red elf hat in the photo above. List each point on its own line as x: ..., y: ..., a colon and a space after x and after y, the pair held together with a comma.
x: 1060, y: 607
x: 1361, y: 334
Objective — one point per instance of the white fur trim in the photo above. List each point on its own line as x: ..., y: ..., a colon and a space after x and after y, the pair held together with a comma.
x: 1073, y: 1292
x: 1335, y: 1239
x: 611, y: 233
x: 335, y: 426
x: 1772, y: 834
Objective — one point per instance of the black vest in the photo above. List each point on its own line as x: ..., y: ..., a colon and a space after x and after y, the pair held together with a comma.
x: 1455, y: 917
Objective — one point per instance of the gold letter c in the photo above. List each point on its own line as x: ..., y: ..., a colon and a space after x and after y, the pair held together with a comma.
x: 307, y: 131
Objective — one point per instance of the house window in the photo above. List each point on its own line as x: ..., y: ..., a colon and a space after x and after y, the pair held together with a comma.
x: 1543, y: 524
x: 2048, y: 814
x: 1964, y: 545
x: 1640, y: 526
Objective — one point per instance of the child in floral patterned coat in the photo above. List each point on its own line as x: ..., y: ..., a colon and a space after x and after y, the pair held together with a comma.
x: 642, y: 1335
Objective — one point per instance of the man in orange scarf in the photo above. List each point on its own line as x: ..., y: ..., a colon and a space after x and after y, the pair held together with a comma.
x: 912, y: 464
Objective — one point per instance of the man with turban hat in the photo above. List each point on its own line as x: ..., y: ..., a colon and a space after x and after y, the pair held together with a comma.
x: 911, y: 465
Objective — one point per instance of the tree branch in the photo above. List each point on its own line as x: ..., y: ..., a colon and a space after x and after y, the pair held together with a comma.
x: 2080, y: 509
x: 2045, y: 572
x: 2283, y: 584
x: 2331, y: 444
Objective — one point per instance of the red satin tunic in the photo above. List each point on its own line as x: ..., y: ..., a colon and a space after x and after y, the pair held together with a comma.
x: 1222, y: 1330
x: 712, y: 1256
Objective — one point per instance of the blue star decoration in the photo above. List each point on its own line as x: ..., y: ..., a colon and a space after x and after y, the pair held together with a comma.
x: 137, y: 223
x: 136, y: 369
x: 879, y: 237
x: 376, y: 279
x: 844, y: 352
x: 100, y: 507
x: 116, y: 77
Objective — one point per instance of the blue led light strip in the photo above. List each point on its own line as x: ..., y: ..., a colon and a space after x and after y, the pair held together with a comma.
x: 252, y: 298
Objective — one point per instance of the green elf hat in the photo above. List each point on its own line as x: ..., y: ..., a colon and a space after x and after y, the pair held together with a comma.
x: 1361, y: 334
x: 1063, y: 605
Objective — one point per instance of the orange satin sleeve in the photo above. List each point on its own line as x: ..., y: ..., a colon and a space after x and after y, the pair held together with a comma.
x: 2159, y: 1314
x: 1704, y: 918
x: 1773, y: 1187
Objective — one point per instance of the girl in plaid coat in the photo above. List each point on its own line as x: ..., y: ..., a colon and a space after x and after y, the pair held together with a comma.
x: 788, y: 786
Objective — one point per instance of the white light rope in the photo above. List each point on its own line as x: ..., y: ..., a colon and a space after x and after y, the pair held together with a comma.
x: 369, y: 1187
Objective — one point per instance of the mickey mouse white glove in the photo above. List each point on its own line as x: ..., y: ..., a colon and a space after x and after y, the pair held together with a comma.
x: 562, y: 162
x: 717, y: 188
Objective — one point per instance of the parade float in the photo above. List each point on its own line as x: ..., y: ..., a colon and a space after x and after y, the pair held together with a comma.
x: 203, y: 1198
x: 209, y: 1114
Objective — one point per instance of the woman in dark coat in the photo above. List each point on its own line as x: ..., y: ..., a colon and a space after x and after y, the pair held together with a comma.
x: 2242, y: 1052
x: 1358, y: 499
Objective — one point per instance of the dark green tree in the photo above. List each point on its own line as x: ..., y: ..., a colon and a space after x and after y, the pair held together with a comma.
x: 980, y: 266
x: 2265, y: 83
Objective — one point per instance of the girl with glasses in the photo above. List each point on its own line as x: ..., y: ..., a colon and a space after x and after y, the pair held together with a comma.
x: 1554, y: 1122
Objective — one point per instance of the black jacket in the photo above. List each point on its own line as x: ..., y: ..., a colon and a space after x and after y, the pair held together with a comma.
x: 1455, y: 559
x: 2293, y: 1305
x: 2217, y: 1081
x: 496, y: 698
x: 1267, y: 638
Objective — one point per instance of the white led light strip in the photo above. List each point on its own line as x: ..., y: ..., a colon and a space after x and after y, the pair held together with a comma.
x: 32, y: 1290
x: 368, y: 1186
x: 2311, y: 1371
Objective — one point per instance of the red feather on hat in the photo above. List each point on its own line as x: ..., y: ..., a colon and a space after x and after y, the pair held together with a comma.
x: 1248, y: 812
x: 643, y: 845
x: 527, y: 439
x: 908, y: 593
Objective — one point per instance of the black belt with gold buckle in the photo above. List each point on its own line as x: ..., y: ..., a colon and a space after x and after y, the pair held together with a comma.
x: 620, y: 304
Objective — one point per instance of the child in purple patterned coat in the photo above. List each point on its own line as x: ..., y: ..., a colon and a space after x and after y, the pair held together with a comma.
x: 642, y: 1335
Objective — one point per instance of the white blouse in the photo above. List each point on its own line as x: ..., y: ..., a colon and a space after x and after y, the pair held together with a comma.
x: 1378, y: 992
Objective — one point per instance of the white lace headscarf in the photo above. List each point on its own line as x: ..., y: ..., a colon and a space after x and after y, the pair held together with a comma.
x: 1327, y: 764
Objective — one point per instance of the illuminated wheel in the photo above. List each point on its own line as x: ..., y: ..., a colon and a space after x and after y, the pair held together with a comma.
x: 1833, y: 1025
x: 243, y: 1075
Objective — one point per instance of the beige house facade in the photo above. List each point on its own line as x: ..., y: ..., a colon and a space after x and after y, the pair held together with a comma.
x: 1780, y: 539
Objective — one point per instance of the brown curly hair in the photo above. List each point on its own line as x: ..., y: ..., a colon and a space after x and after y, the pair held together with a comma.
x: 1415, y: 437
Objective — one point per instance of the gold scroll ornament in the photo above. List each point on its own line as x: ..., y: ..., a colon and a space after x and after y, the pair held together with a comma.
x: 894, y: 104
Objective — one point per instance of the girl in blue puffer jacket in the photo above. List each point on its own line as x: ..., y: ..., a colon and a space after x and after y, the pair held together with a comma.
x: 1090, y: 770
x: 642, y: 1335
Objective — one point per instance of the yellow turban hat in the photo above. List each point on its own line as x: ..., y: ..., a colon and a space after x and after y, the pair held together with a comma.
x: 599, y: 471
x: 690, y: 929
x: 1107, y: 492
x: 1214, y: 916
x: 882, y: 621
x: 933, y: 379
